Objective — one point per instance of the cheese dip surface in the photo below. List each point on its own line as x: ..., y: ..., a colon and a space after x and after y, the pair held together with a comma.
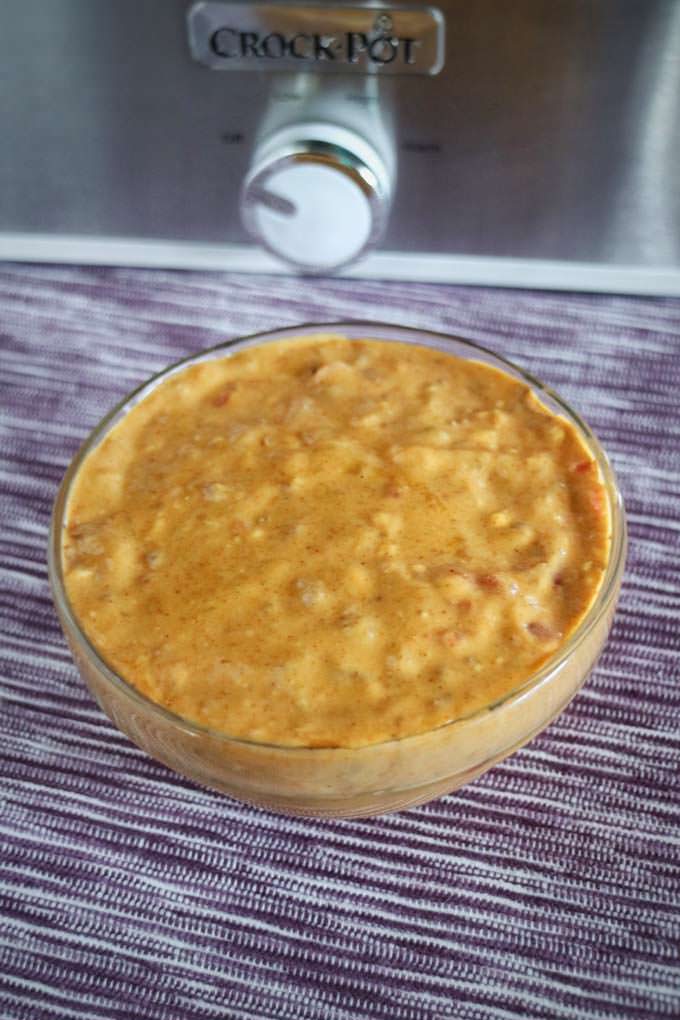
x: 326, y: 542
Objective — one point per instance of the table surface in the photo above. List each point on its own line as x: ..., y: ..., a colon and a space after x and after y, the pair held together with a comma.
x: 550, y: 887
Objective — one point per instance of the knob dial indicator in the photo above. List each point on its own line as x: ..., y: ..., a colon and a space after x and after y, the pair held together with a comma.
x: 317, y: 196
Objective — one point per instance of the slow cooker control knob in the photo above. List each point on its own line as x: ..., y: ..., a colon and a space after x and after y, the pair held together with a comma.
x: 317, y: 196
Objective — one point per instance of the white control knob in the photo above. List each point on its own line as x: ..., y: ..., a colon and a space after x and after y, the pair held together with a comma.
x: 317, y: 196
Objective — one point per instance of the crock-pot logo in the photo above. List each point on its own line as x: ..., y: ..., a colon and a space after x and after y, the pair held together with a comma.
x: 379, y: 47
x: 352, y: 38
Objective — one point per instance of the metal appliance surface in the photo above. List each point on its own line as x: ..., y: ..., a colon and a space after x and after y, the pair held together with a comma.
x: 543, y: 151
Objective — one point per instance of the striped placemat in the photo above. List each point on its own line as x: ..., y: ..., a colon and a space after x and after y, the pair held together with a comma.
x: 548, y: 888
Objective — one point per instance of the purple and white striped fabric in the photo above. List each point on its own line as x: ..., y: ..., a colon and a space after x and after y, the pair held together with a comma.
x: 549, y: 888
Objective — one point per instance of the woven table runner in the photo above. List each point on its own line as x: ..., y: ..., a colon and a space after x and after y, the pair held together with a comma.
x: 548, y: 888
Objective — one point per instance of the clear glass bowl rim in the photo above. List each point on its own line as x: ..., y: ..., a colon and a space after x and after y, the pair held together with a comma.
x: 365, y: 329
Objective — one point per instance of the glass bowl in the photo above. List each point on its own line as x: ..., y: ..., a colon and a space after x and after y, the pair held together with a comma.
x: 370, y: 780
